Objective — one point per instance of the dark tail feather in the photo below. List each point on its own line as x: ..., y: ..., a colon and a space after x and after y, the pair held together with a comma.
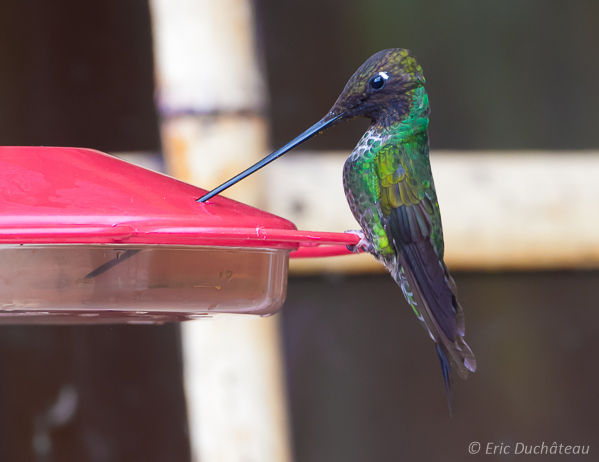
x: 446, y: 369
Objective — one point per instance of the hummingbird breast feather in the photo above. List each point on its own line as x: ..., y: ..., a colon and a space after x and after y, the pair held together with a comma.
x: 392, y: 196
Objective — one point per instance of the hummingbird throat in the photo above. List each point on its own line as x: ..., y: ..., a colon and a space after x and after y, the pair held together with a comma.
x: 407, y: 115
x: 399, y: 124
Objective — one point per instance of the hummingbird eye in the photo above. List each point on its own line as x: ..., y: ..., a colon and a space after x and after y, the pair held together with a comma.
x: 378, y: 81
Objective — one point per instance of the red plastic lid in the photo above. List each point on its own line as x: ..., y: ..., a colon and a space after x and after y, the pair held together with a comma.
x: 82, y: 196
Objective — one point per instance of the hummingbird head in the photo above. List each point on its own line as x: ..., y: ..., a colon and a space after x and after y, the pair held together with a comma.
x: 380, y: 88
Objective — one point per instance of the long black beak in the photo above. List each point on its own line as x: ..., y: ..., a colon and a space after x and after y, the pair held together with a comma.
x: 315, y: 129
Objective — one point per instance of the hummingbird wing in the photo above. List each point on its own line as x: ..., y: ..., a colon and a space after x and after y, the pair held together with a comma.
x: 412, y: 220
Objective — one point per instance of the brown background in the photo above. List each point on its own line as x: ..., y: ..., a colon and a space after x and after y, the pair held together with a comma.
x: 364, y: 383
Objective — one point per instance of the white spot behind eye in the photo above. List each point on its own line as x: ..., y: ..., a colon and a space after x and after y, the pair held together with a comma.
x: 384, y: 75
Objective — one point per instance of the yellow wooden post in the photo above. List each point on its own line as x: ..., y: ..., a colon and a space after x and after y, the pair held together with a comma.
x: 211, y: 96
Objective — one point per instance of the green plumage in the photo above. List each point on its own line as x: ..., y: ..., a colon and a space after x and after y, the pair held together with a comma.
x: 390, y: 168
x: 390, y: 189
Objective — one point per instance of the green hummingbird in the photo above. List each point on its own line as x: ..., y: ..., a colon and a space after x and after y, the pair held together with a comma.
x: 390, y: 190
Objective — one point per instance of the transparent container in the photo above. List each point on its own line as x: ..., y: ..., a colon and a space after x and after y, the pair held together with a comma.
x: 88, y: 238
x: 49, y: 284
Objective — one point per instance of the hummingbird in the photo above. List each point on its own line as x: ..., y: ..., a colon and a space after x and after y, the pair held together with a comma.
x: 390, y: 190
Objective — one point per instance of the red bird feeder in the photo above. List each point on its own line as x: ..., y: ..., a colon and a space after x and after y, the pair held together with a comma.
x: 88, y: 238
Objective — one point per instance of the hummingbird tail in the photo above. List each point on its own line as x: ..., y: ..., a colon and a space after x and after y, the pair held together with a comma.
x: 463, y: 355
x: 450, y: 350
x: 418, y: 272
x: 446, y: 369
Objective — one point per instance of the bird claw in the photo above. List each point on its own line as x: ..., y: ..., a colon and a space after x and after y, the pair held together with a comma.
x: 364, y: 245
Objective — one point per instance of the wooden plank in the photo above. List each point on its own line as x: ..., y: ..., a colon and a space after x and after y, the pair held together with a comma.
x: 501, y: 210
x: 235, y: 390
x: 211, y: 93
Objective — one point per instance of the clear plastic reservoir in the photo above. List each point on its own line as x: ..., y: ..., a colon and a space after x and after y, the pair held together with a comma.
x: 137, y: 284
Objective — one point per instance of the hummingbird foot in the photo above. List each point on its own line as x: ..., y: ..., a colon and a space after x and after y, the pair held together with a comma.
x: 364, y: 245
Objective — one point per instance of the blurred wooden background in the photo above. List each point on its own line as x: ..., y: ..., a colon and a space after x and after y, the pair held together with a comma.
x: 362, y: 378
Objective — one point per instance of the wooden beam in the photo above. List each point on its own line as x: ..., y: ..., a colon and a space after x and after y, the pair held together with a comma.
x: 501, y: 210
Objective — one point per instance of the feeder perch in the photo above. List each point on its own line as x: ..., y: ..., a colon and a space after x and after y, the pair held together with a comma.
x: 88, y: 238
